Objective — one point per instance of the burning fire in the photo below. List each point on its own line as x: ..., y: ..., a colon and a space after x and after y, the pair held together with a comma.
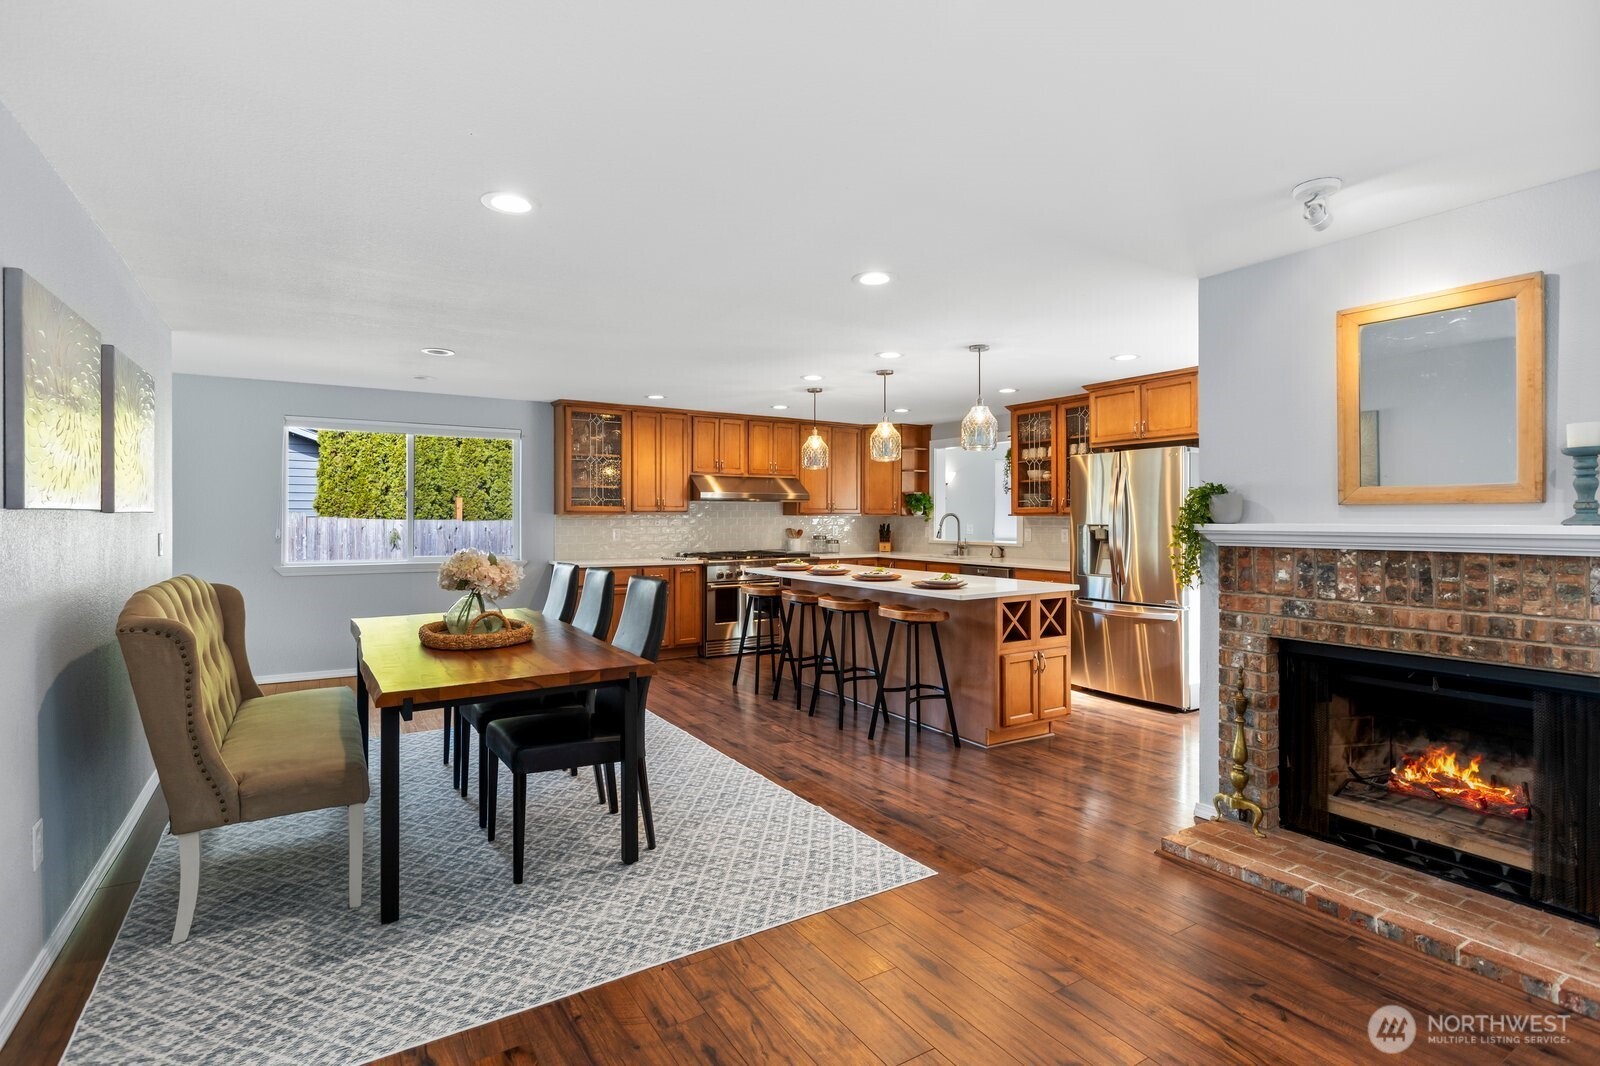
x: 1439, y: 774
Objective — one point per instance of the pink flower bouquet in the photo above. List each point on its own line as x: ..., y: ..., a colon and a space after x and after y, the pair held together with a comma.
x: 484, y: 578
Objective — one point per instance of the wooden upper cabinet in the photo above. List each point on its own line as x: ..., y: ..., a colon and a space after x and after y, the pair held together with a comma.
x: 592, y: 448
x: 719, y: 444
x: 659, y: 461
x: 837, y: 488
x: 1037, y: 464
x: 844, y: 468
x: 773, y: 448
x: 880, y: 487
x: 1145, y: 410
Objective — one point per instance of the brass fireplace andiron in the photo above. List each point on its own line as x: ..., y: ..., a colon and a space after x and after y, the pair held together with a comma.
x: 1240, y: 774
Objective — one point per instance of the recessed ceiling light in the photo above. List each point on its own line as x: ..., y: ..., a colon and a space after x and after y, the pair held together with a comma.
x: 507, y: 203
x: 1123, y: 358
x: 655, y: 396
x: 811, y: 377
x: 888, y: 355
x: 422, y: 377
x: 780, y: 407
x: 439, y: 353
x: 874, y: 277
x: 902, y: 410
x: 1008, y: 391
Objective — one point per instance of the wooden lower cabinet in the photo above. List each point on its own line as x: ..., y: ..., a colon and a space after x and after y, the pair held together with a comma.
x: 684, y: 605
x: 1035, y: 686
x: 1023, y: 573
x: 619, y: 591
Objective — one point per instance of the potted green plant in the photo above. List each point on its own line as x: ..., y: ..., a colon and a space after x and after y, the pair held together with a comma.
x: 1186, y: 539
x: 920, y: 503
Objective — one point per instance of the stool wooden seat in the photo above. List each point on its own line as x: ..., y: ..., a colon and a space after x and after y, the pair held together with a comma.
x: 922, y: 615
x: 800, y: 596
x: 761, y: 604
x: 841, y: 657
x: 799, y: 609
x: 913, y: 620
x: 832, y: 603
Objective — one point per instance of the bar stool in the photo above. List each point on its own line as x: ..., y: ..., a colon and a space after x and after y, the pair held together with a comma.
x: 834, y: 656
x: 799, y: 607
x: 913, y: 620
x: 760, y: 605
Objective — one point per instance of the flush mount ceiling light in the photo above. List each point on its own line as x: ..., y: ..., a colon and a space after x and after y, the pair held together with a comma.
x: 439, y: 353
x: 655, y: 396
x: 888, y: 355
x: 980, y: 431
x: 780, y: 407
x: 1123, y: 358
x: 1312, y: 196
x: 873, y: 277
x: 814, y: 452
x: 883, y: 445
x: 811, y: 377
x: 902, y: 410
x: 507, y: 203
x: 1007, y: 391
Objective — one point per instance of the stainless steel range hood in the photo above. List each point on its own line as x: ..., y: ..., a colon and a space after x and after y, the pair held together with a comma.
x: 749, y: 489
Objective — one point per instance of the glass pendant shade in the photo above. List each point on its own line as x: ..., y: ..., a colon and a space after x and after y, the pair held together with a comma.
x: 814, y: 452
x: 980, y: 431
x: 884, y: 446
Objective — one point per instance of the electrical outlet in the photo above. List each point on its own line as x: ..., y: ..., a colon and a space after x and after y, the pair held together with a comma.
x: 616, y: 534
x: 1064, y: 531
x: 161, y: 544
x: 38, y: 843
x: 1027, y: 534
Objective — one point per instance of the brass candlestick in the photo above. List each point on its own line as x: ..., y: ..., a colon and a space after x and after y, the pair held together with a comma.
x: 1240, y: 774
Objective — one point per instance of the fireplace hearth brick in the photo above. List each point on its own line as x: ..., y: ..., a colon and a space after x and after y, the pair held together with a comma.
x: 1514, y: 610
x: 1542, y: 955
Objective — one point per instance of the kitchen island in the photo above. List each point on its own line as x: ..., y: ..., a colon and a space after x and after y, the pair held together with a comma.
x: 1007, y: 649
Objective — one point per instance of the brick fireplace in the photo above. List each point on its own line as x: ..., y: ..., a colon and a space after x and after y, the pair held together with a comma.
x: 1494, y: 614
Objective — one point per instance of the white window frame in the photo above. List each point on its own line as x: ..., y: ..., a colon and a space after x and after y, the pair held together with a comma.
x: 409, y: 563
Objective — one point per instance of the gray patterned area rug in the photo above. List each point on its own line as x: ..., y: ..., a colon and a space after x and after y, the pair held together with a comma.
x: 279, y: 969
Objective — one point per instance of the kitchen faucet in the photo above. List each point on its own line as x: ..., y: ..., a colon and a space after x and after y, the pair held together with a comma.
x: 961, y: 546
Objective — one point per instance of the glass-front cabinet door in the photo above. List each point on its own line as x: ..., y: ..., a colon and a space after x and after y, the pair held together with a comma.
x: 593, y: 467
x: 1035, y: 462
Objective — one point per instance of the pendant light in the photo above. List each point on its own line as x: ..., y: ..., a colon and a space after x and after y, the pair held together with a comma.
x: 979, y: 430
x: 884, y: 444
x: 814, y: 452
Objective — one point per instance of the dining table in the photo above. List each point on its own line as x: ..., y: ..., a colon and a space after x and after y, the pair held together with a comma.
x: 400, y: 676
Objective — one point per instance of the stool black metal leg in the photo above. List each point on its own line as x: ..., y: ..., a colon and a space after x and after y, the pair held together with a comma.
x: 944, y: 679
x: 787, y: 655
x: 519, y: 818
x: 913, y: 660
x: 758, y: 612
x: 744, y: 638
x: 824, y: 651
x: 882, y: 701
x: 847, y: 632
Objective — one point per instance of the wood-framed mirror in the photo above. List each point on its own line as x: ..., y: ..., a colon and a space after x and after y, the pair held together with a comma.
x: 1441, y: 397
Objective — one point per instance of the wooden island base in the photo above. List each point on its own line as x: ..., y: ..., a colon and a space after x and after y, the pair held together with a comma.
x: 1006, y: 647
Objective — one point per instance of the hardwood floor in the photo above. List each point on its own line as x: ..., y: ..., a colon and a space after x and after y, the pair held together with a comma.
x: 1051, y: 933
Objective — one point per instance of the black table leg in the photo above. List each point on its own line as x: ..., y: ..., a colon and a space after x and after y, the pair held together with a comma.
x: 632, y: 744
x: 389, y: 821
x: 361, y: 703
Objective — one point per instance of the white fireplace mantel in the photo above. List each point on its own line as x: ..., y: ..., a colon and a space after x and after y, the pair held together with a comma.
x: 1519, y: 540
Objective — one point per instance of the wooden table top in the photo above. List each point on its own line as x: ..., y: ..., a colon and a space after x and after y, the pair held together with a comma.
x: 397, y: 667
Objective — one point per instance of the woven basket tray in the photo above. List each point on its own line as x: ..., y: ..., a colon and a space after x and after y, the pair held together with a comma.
x: 436, y: 635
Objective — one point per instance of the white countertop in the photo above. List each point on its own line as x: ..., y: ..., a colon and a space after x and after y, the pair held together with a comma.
x: 649, y: 560
x: 978, y: 557
x: 976, y: 588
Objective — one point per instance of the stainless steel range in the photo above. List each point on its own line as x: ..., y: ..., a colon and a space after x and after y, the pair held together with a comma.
x: 724, y: 602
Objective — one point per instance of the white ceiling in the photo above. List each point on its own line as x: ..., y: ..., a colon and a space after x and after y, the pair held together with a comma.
x: 296, y: 184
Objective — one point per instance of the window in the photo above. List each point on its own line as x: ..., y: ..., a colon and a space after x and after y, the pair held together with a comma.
x: 975, y: 486
x: 363, y: 493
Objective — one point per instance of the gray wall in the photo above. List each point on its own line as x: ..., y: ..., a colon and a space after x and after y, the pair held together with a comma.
x: 228, y: 495
x: 1267, y: 362
x: 76, y: 752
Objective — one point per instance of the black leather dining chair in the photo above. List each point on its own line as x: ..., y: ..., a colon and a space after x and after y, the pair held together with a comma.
x: 562, y: 599
x: 586, y: 734
x: 593, y: 616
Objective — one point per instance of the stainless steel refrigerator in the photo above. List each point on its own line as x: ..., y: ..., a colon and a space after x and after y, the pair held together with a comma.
x: 1130, y: 623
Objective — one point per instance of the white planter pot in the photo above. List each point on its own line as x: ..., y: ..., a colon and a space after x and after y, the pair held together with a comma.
x: 1227, y: 508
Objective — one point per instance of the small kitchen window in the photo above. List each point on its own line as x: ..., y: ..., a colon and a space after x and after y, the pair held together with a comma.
x: 374, y: 495
x: 977, y: 487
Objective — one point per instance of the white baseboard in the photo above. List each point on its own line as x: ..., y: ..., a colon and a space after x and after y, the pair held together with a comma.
x: 69, y: 921
x: 308, y: 675
x: 1205, y: 812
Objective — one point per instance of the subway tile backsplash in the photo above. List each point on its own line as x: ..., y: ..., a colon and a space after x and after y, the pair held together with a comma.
x: 714, y: 526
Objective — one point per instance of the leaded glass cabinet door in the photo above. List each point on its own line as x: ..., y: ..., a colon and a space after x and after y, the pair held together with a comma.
x: 595, y: 468
x: 1035, y: 485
